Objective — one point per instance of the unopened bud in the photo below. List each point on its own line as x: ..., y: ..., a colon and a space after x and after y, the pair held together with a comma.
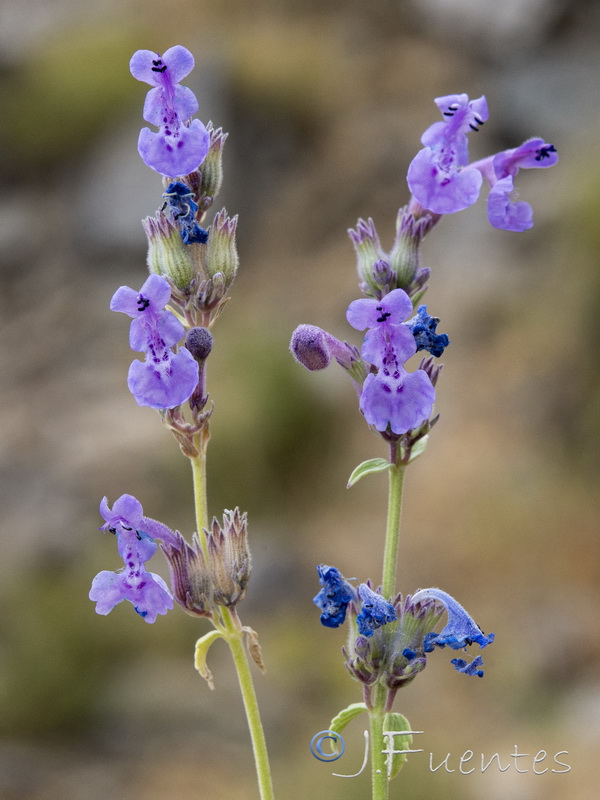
x: 369, y: 253
x: 199, y: 342
x: 406, y: 252
x: 309, y: 347
x: 211, y: 170
x: 313, y: 348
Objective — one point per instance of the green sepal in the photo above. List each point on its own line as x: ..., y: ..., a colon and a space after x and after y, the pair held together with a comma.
x: 393, y: 721
x: 366, y: 468
x: 339, y: 722
x: 418, y: 448
x: 202, y: 647
x: 418, y: 296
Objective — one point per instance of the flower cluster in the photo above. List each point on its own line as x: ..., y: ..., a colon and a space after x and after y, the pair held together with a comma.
x: 392, y: 399
x: 180, y: 146
x: 166, y: 378
x: 389, y: 642
x: 202, y: 577
x: 443, y: 181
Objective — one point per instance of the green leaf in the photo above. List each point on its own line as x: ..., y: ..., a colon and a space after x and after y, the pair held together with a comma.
x: 366, y: 468
x: 418, y: 448
x: 202, y: 647
x: 393, y: 721
x: 339, y: 722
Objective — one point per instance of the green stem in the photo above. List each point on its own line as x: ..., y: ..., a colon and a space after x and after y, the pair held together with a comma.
x: 392, y: 534
x: 199, y: 480
x: 380, y: 781
x: 234, y: 638
x: 232, y: 628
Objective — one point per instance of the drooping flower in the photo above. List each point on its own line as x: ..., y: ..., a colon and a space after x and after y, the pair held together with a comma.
x: 177, y: 148
x: 375, y: 611
x: 183, y: 207
x: 460, y: 631
x: 334, y: 597
x: 443, y: 181
x: 499, y: 172
x: 136, y: 534
x: 392, y: 396
x: 165, y: 379
x: 424, y: 328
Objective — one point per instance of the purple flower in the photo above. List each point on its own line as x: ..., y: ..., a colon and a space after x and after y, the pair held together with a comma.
x: 334, y: 597
x: 439, y: 176
x: 460, y: 631
x: 135, y: 534
x: 499, y: 171
x: 392, y: 396
x: 165, y: 379
x: 177, y: 148
x: 375, y: 612
x: 442, y: 180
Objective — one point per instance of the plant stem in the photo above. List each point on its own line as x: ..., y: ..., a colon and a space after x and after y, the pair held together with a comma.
x: 379, y: 778
x: 392, y: 534
x: 232, y: 628
x: 199, y: 480
x: 380, y: 781
x: 238, y: 651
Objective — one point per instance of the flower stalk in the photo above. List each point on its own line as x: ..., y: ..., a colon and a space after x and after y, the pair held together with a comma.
x: 231, y: 629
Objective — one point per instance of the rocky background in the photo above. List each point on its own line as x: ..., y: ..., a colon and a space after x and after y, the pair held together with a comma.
x: 325, y: 103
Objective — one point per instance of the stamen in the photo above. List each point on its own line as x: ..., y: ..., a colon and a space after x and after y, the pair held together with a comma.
x: 544, y: 152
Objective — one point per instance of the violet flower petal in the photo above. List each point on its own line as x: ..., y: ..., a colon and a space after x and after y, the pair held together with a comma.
x: 393, y: 309
x: 387, y: 344
x: 184, y: 103
x: 177, y: 154
x: 127, y: 511
x: 441, y: 186
x: 157, y: 70
x: 166, y: 383
x: 504, y: 214
x: 402, y: 404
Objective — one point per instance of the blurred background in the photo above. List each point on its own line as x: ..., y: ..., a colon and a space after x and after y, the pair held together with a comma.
x: 325, y: 103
